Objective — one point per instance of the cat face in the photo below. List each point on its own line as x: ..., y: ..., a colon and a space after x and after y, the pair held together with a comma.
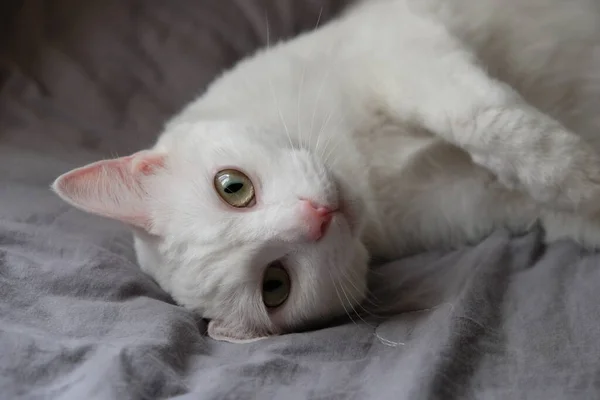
x: 256, y: 235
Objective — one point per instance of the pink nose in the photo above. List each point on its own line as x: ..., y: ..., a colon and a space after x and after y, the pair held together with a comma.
x: 317, y: 218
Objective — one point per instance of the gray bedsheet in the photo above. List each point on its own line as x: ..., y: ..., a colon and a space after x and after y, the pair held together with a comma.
x: 78, y: 320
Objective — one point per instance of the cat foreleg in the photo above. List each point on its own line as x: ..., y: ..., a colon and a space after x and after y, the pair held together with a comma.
x: 528, y: 150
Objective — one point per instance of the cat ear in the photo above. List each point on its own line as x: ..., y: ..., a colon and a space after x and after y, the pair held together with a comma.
x: 112, y: 188
x: 232, y: 332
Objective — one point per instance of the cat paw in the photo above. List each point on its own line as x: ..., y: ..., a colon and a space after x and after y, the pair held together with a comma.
x: 565, y: 178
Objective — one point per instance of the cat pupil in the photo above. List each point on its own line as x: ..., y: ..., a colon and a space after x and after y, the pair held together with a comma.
x: 233, y: 188
x: 271, y: 286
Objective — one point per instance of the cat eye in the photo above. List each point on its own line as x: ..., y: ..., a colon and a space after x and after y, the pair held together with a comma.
x: 275, y: 286
x: 235, y: 188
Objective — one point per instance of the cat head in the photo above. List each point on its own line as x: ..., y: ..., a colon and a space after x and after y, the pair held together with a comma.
x: 255, y: 234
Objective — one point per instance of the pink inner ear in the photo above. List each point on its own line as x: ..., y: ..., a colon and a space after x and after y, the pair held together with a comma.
x: 113, y: 188
x: 148, y: 164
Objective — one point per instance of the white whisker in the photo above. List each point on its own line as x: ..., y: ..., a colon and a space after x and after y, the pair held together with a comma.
x: 337, y: 143
x: 273, y: 94
x: 340, y: 298
x: 319, y: 18
x: 319, y: 135
x: 287, y: 131
x: 339, y: 122
x: 384, y: 341
x: 345, y: 273
x: 299, y: 102
x: 268, y: 30
x: 318, y: 99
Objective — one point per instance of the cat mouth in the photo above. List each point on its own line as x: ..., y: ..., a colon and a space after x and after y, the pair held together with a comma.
x: 349, y: 207
x: 349, y: 215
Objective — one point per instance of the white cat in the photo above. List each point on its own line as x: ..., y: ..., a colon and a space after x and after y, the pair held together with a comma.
x: 400, y: 126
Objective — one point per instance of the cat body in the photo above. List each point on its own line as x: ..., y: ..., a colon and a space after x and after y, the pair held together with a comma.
x: 400, y: 126
x: 322, y: 86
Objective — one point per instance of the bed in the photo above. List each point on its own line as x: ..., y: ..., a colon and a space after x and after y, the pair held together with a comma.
x: 79, y: 320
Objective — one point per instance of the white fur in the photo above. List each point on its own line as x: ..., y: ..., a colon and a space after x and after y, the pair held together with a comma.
x: 431, y: 122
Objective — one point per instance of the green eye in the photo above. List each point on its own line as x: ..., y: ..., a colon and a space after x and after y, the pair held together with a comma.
x: 275, y: 286
x: 235, y: 188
